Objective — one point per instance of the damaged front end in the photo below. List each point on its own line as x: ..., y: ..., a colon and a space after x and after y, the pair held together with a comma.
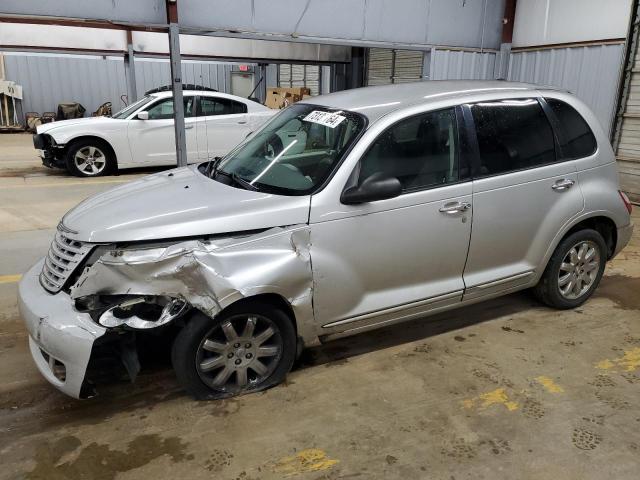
x: 150, y: 288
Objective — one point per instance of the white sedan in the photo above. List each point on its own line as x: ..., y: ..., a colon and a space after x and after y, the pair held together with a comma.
x: 143, y: 134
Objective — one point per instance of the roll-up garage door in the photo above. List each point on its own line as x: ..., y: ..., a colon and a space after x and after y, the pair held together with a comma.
x: 300, y: 76
x: 628, y: 147
x: 386, y: 66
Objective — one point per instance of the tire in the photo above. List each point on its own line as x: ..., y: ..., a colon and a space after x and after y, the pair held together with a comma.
x: 90, y: 157
x: 569, y: 265
x: 205, y: 351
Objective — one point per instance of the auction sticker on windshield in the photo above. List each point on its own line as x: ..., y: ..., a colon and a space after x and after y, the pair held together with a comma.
x: 331, y: 120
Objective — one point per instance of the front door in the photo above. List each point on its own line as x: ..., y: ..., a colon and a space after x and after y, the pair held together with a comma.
x: 522, y: 196
x: 394, y: 258
x: 224, y: 123
x: 153, y: 141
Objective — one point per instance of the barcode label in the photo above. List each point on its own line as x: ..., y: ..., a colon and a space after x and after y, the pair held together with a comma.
x: 331, y: 120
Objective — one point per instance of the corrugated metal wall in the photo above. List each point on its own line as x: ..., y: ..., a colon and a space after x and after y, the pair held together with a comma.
x: 462, y: 65
x: 627, y: 140
x: 49, y: 79
x: 590, y: 72
x: 151, y: 73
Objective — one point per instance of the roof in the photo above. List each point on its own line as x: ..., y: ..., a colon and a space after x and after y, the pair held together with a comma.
x: 374, y: 102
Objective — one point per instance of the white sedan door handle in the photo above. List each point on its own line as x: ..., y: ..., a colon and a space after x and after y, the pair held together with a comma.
x: 563, y: 184
x: 187, y: 127
x: 451, y: 208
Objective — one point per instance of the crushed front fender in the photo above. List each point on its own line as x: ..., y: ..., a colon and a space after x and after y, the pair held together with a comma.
x: 213, y: 274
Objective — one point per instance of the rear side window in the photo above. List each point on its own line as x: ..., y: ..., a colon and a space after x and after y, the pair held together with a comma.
x: 577, y: 139
x: 512, y: 135
x: 220, y: 106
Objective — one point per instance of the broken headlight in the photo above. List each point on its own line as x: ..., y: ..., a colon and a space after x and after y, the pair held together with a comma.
x: 139, y: 312
x: 143, y: 312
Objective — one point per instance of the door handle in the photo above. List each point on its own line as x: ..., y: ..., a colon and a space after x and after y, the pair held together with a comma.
x: 242, y: 122
x: 455, y: 207
x: 187, y: 127
x: 563, y: 184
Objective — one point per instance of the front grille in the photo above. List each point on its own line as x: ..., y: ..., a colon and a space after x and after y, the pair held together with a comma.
x: 63, y: 258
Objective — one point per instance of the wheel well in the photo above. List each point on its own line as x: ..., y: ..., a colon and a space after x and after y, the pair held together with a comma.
x: 274, y: 300
x: 96, y: 139
x: 604, y: 226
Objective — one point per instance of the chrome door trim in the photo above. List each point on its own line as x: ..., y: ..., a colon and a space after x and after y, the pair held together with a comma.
x: 501, y: 284
x: 397, y: 308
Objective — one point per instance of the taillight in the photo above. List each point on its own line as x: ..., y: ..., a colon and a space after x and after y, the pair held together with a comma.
x: 626, y: 201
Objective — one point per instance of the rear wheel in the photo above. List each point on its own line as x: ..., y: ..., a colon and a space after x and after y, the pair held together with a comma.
x: 574, y: 270
x: 90, y: 158
x: 247, y: 348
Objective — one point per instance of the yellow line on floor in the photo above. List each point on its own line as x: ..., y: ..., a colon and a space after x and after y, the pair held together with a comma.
x: 10, y: 278
x: 37, y: 185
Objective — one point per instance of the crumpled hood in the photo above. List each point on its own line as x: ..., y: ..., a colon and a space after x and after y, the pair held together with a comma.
x: 179, y: 203
x: 94, y: 121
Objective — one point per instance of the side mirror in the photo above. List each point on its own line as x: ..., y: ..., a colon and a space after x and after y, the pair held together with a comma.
x: 143, y: 116
x: 378, y: 186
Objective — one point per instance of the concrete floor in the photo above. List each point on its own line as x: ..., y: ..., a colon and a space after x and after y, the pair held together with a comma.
x: 503, y: 389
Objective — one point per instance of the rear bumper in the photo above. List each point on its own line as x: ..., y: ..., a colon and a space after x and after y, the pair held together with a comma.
x: 624, y: 235
x: 58, y: 334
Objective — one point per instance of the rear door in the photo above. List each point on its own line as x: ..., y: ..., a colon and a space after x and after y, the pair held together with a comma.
x: 223, y: 124
x: 522, y: 194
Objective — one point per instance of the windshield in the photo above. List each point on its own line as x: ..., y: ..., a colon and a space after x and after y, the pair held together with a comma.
x: 126, y: 111
x: 294, y: 153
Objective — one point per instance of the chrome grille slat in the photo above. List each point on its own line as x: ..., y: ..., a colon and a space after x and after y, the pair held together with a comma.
x: 56, y: 249
x: 48, y: 275
x: 63, y: 258
x: 56, y: 263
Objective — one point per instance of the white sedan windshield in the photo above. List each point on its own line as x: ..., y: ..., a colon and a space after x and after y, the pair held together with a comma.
x: 126, y: 111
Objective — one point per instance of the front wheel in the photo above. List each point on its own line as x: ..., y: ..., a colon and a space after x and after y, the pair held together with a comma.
x: 574, y: 270
x: 90, y: 158
x: 249, y: 347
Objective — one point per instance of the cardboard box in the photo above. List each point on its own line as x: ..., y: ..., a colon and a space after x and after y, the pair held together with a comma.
x: 279, y: 97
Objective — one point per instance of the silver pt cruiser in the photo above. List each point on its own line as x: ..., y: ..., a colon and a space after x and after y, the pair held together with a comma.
x: 344, y: 213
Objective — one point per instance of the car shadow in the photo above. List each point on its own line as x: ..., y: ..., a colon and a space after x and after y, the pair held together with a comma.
x: 417, y: 329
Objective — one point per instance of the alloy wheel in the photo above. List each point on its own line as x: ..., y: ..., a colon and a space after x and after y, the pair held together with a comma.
x: 579, y: 269
x: 239, y: 353
x: 90, y: 160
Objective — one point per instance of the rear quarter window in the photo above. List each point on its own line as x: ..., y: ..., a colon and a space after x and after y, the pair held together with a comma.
x: 577, y: 139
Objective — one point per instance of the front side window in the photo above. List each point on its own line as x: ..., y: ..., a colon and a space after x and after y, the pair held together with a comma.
x: 512, y: 135
x: 577, y: 138
x: 294, y: 153
x: 163, y: 110
x: 420, y: 151
x: 220, y: 106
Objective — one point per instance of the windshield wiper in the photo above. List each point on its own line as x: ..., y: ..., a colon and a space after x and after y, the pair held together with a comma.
x: 243, y: 183
x: 212, y: 168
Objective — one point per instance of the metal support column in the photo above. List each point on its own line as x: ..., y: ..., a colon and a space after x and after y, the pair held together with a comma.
x: 130, y: 71
x: 176, y: 83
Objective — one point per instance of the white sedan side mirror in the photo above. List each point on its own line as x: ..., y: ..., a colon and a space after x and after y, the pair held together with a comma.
x: 143, y: 116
